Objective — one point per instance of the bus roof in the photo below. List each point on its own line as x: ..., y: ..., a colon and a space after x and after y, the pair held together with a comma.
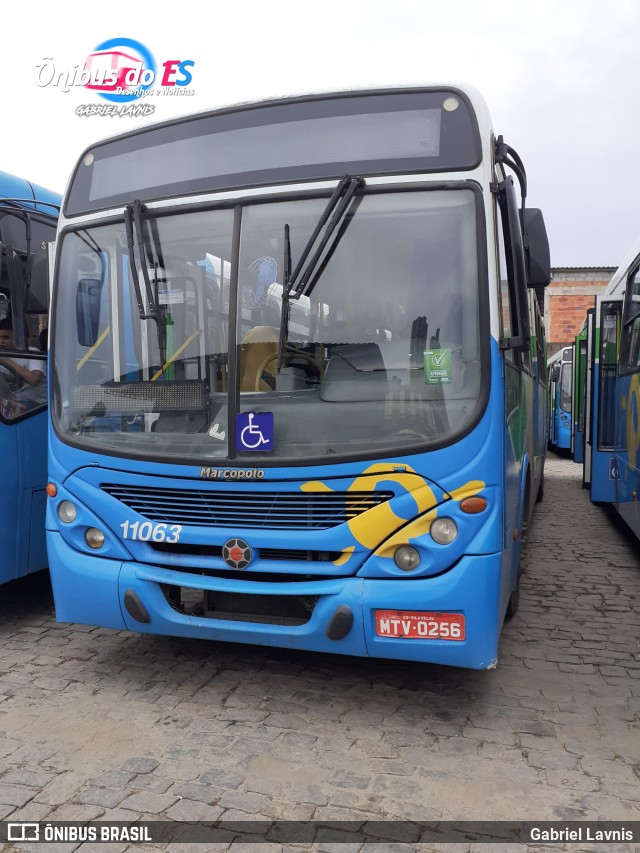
x: 29, y: 195
x: 618, y: 282
x: 564, y: 354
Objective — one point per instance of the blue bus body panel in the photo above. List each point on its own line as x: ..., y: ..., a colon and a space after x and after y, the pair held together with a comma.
x: 562, y: 432
x: 23, y: 441
x: 22, y: 499
x: 604, y: 464
x: 627, y: 481
x: 13, y: 187
x: 628, y: 502
x: 9, y: 506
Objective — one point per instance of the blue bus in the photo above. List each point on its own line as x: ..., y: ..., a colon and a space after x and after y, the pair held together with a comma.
x: 612, y: 463
x: 28, y: 217
x: 298, y: 377
x: 560, y: 370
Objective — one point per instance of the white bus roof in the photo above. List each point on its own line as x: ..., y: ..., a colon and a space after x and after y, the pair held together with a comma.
x: 617, y: 285
x: 407, y: 130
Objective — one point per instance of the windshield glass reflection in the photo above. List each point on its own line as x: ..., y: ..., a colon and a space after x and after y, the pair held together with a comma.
x: 379, y: 355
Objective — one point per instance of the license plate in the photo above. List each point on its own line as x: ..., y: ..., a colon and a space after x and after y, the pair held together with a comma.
x: 419, y: 625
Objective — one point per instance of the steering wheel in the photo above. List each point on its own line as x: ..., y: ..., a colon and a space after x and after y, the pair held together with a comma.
x: 287, y: 357
x: 9, y: 379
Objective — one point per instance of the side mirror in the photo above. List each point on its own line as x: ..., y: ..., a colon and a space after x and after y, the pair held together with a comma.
x: 537, y: 254
x: 516, y: 268
x: 38, y: 297
x: 88, y: 298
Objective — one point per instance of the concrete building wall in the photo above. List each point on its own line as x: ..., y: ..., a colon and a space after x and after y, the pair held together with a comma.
x: 571, y: 293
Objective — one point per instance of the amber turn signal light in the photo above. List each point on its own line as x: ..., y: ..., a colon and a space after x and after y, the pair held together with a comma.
x: 52, y: 490
x: 473, y: 505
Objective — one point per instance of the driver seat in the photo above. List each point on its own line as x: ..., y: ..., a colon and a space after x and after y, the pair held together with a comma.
x: 257, y: 346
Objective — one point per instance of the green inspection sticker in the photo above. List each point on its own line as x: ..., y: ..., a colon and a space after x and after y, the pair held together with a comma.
x: 437, y: 367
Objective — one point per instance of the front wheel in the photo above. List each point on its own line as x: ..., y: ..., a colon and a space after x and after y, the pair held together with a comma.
x: 514, y: 601
x: 540, y: 494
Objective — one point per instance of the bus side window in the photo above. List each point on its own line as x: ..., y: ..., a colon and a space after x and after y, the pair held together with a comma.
x: 631, y: 325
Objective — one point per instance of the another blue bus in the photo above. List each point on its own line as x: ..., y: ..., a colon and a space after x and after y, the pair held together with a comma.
x: 298, y: 387
x: 612, y: 457
x: 28, y: 217
x: 560, y: 369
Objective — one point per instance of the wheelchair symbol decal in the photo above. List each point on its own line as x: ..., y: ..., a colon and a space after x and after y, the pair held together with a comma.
x: 254, y: 431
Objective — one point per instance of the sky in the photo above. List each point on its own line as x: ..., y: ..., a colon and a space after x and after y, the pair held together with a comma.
x: 561, y: 79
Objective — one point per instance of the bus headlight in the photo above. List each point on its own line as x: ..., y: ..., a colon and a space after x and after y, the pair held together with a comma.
x: 67, y: 512
x: 407, y: 558
x: 443, y: 531
x: 94, y: 537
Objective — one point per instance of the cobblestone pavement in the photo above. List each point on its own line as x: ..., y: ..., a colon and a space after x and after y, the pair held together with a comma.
x: 98, y: 724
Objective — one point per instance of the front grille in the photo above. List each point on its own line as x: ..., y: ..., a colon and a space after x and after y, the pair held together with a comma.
x: 264, y: 553
x: 248, y: 574
x: 306, y: 556
x: 247, y: 509
x: 240, y: 607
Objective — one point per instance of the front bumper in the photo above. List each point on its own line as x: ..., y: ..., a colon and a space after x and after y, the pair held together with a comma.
x: 93, y: 590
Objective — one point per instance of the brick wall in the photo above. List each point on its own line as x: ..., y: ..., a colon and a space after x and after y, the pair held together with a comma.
x: 572, y: 291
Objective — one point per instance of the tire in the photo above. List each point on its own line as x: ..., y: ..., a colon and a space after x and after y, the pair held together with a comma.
x: 514, y: 598
x: 540, y: 494
x: 514, y: 601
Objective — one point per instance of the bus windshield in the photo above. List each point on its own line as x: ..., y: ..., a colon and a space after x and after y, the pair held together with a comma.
x: 380, y: 355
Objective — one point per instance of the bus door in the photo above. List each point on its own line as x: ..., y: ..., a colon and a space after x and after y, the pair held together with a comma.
x: 23, y: 419
x: 554, y: 373
x: 604, y: 464
x: 588, y: 398
x: 578, y: 404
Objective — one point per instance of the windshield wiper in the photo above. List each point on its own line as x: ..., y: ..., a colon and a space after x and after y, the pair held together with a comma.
x: 133, y: 221
x: 147, y: 255
x: 286, y: 288
x: 299, y: 283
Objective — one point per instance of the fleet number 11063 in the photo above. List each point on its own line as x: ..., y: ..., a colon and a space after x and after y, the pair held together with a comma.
x: 146, y: 531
